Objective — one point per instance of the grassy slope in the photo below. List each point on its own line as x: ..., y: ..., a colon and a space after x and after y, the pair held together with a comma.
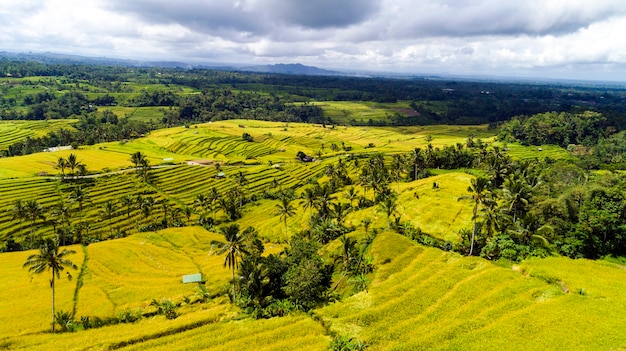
x: 222, y: 141
x: 127, y: 274
x: 423, y: 298
x: 14, y: 131
x: 419, y: 298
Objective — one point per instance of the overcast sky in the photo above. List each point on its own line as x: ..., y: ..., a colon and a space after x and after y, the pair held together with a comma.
x: 580, y: 39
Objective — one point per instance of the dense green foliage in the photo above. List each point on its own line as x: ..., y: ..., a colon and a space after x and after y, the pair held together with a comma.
x: 557, y: 128
x: 37, y: 90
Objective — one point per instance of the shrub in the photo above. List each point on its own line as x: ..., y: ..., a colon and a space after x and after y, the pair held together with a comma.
x: 166, y: 307
x: 65, y: 320
x: 129, y: 316
x: 346, y: 343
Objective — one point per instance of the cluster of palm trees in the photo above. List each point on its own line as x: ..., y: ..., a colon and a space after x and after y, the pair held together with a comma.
x: 29, y: 210
x: 141, y: 163
x: 71, y: 163
x: 502, y: 201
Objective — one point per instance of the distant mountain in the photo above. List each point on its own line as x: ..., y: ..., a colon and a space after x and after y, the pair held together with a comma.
x: 292, y: 68
x: 56, y: 58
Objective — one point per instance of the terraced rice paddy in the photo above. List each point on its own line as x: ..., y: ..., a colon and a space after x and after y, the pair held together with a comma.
x: 12, y: 132
x: 423, y: 298
x: 419, y: 297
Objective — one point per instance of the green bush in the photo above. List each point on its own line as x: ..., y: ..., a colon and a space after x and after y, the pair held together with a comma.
x: 65, y: 320
x: 129, y: 316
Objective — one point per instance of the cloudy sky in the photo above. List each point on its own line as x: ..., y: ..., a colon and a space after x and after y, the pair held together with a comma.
x: 581, y: 39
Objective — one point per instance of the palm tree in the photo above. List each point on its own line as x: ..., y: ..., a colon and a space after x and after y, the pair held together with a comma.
x: 72, y: 163
x: 213, y: 197
x: 366, y: 224
x: 187, y: 211
x: 480, y: 196
x: 107, y: 211
x: 175, y: 214
x: 234, y: 248
x: 397, y: 168
x: 137, y: 158
x: 529, y: 230
x: 79, y: 196
x: 60, y: 213
x: 145, y: 205
x: 18, y: 211
x: 491, y: 216
x: 351, y: 194
x: 340, y: 211
x: 285, y: 210
x: 166, y: 206
x: 241, y: 179
x: 145, y: 166
x: 389, y: 207
x: 127, y: 201
x: 82, y: 170
x: 33, y: 211
x: 348, y: 246
x: 308, y: 201
x: 50, y: 259
x: 61, y: 164
x: 324, y: 196
x: 142, y: 164
x: 517, y: 193
x: 202, y: 202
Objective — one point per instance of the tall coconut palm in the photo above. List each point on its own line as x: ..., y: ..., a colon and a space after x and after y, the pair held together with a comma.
x: 107, y: 212
x: 397, y: 168
x: 389, y: 206
x: 241, y: 179
x: 60, y: 214
x: 50, y: 259
x: 187, y: 211
x: 145, y: 167
x: 202, y: 202
x: 167, y: 207
x: 137, y: 158
x: 308, y: 201
x: 340, y: 211
x: 234, y: 248
x: 18, y: 211
x: 517, y: 193
x: 61, y: 164
x: 480, y: 196
x: 33, y: 211
x: 351, y: 194
x: 141, y: 163
x: 127, y: 201
x: 324, y: 198
x: 145, y: 205
x: 72, y: 163
x: 79, y: 196
x: 285, y: 210
x: 213, y: 197
x: 348, y: 246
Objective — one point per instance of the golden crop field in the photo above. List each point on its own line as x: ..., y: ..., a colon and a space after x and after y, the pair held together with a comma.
x: 418, y: 297
x: 424, y: 298
x: 276, y: 142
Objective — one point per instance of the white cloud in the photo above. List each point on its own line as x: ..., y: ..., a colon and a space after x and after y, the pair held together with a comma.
x: 574, y: 37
